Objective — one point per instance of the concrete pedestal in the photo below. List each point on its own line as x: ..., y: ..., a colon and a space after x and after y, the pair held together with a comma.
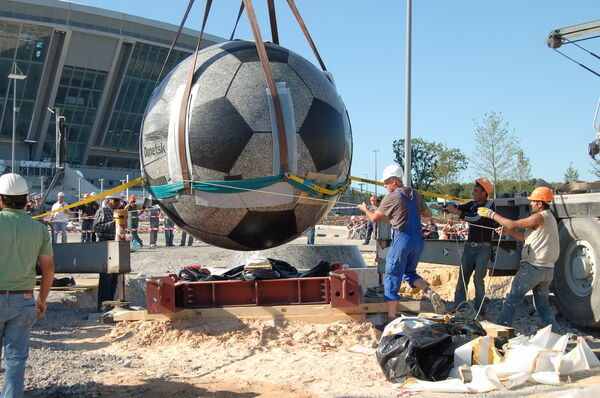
x: 305, y: 256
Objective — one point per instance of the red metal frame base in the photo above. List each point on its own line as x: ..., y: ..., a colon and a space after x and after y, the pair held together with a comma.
x: 166, y: 295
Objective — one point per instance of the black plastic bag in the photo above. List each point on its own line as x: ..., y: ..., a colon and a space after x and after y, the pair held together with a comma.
x: 426, y: 353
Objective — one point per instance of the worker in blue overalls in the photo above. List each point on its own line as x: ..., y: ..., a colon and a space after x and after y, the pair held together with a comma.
x: 404, y: 207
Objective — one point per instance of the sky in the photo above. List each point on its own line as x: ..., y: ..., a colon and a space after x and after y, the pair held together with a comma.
x: 469, y: 57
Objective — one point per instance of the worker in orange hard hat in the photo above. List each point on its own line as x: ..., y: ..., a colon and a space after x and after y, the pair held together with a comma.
x: 540, y: 250
x: 478, y: 248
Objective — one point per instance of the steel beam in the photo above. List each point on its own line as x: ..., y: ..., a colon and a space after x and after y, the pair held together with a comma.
x: 110, y: 257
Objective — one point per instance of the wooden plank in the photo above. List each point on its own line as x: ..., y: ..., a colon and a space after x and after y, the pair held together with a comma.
x: 309, y: 313
x: 495, y: 330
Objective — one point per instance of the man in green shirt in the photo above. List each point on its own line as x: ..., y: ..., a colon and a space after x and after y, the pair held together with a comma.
x: 24, y: 243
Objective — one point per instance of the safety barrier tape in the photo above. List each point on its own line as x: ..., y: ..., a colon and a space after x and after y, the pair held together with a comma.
x: 72, y: 231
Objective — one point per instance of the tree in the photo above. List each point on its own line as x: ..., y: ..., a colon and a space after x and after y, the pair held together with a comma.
x: 495, y: 148
x: 450, y: 162
x: 523, y: 170
x: 423, y: 160
x: 431, y: 162
x: 596, y: 167
x: 571, y: 174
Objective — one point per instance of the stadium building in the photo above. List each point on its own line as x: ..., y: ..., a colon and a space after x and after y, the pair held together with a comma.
x: 98, y: 67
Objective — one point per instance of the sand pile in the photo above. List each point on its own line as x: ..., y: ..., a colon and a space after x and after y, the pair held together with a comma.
x: 267, y: 334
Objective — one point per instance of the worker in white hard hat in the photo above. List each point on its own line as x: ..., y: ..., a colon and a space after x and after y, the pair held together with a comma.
x: 104, y: 226
x: 59, y: 219
x: 404, y: 207
x: 24, y: 243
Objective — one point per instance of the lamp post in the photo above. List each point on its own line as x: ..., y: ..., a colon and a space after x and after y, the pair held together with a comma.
x: 42, y: 185
x: 375, y: 178
x: 360, y: 184
x: 101, y: 185
x: 15, y: 75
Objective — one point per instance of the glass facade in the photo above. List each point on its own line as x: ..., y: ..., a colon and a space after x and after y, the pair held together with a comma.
x: 78, y: 96
x: 139, y: 82
x: 26, y: 46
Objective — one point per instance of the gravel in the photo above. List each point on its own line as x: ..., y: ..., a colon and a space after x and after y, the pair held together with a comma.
x: 60, y: 367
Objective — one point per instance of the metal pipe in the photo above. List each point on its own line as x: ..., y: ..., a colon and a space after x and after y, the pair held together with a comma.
x: 14, y: 126
x: 407, y: 144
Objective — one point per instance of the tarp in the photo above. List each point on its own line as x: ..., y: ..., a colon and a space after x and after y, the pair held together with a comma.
x: 539, y: 359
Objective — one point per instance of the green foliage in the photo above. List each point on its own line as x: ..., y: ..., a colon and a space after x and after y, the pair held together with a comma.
x: 450, y: 163
x: 596, y: 167
x: 523, y: 170
x: 431, y: 162
x: 571, y: 174
x: 495, y: 148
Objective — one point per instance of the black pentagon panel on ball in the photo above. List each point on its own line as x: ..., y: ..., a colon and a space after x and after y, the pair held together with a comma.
x: 230, y: 138
x: 262, y: 230
x: 323, y: 132
x: 221, y: 135
x: 245, y: 51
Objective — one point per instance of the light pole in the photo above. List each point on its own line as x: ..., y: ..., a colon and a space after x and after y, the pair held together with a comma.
x: 42, y: 185
x: 375, y: 179
x: 79, y: 188
x: 407, y: 133
x: 15, y: 75
x: 360, y: 184
x: 101, y: 185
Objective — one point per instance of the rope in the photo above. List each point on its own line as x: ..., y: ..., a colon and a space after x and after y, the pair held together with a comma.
x: 487, y: 289
x: 424, y: 193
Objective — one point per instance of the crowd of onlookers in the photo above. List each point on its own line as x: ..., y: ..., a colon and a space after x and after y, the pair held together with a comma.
x: 358, y: 228
x: 81, y: 218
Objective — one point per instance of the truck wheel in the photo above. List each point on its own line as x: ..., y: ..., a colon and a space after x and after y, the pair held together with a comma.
x: 576, y: 282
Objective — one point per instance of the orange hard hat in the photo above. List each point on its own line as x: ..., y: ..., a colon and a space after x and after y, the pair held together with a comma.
x: 133, y: 197
x: 543, y: 194
x: 86, y: 195
x: 486, y: 184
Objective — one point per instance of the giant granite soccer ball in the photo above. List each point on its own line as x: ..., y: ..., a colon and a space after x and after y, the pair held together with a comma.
x: 230, y: 137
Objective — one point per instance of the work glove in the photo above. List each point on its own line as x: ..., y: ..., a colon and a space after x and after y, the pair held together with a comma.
x: 485, y: 212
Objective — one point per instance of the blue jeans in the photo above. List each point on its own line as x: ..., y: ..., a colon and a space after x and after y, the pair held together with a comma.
x: 310, y: 236
x: 473, y: 259
x: 169, y: 232
x: 17, y: 315
x: 87, y: 225
x: 529, y: 277
x: 59, y: 226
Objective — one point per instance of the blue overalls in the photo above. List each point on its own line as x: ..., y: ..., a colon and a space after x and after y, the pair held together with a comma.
x: 405, y: 251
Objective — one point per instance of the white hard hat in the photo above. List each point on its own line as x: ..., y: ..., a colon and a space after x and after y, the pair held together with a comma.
x: 12, y: 184
x: 393, y: 170
x: 60, y: 194
x: 93, y: 194
x: 115, y: 195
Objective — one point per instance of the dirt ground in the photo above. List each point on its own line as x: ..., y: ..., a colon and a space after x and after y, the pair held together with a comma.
x: 72, y: 356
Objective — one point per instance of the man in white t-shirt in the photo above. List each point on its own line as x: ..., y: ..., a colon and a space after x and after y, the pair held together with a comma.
x: 59, y: 219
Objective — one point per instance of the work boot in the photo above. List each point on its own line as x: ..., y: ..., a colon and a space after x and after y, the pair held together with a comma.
x: 436, y: 301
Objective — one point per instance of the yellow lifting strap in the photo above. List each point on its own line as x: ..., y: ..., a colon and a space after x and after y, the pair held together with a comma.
x: 95, y: 197
x: 424, y: 193
x: 316, y: 187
